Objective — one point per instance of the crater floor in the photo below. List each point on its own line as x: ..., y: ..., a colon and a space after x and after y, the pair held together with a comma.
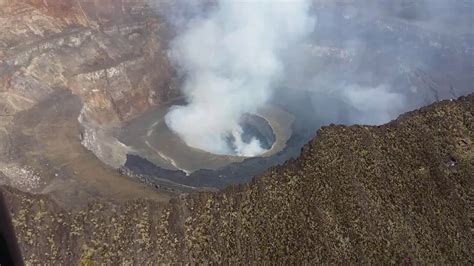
x: 148, y: 136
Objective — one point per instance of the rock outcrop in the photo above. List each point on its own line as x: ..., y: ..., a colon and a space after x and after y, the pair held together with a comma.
x: 397, y: 193
x: 111, y: 56
x: 117, y: 63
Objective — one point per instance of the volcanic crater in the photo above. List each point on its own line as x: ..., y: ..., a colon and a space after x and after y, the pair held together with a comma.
x: 150, y: 139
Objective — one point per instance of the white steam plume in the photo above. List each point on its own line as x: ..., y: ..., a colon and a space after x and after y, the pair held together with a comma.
x: 232, y: 59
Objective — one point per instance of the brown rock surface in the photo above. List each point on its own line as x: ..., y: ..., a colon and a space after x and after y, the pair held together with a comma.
x: 88, y: 12
x: 397, y: 193
x: 55, y: 69
x: 119, y: 69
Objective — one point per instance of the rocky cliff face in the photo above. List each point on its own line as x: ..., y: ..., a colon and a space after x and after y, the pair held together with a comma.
x: 110, y: 55
x: 102, y: 63
x: 397, y: 193
x: 89, y: 12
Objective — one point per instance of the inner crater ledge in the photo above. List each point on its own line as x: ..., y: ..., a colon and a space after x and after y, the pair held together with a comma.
x: 150, y: 138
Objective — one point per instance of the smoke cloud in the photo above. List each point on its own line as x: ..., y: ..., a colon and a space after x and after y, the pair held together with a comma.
x: 349, y: 62
x: 367, y: 62
x: 232, y: 59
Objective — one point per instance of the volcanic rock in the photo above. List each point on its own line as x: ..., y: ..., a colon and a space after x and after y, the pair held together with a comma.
x: 397, y: 193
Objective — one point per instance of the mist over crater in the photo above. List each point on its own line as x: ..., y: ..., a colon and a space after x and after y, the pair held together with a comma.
x: 127, y: 127
x: 231, y: 59
x: 320, y: 62
x: 178, y: 113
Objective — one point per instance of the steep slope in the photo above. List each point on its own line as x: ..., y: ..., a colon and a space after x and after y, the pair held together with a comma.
x: 59, y: 62
x: 397, y: 193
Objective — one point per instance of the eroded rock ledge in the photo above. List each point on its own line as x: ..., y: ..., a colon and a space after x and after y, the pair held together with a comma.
x: 397, y: 193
